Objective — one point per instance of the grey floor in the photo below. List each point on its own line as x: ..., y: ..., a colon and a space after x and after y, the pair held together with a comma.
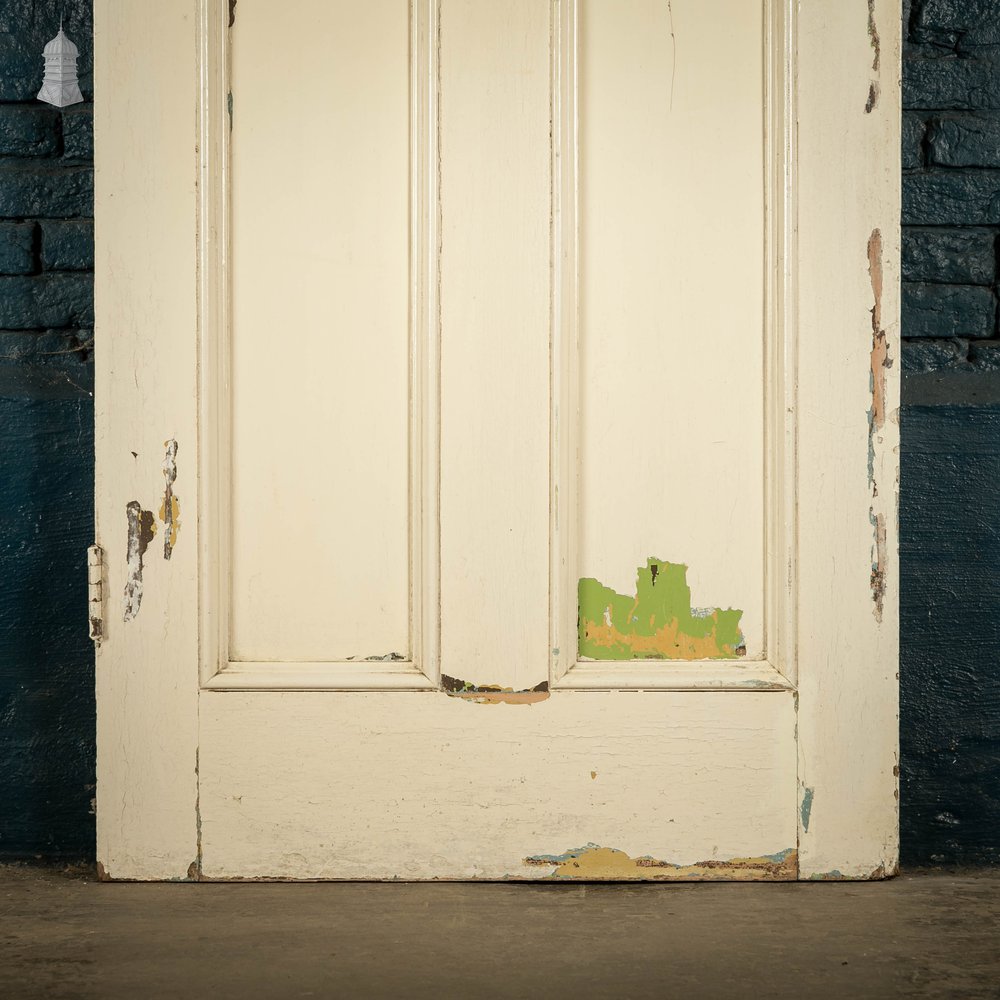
x: 929, y: 934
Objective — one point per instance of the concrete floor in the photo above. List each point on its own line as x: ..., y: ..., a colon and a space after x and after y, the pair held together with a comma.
x: 929, y: 934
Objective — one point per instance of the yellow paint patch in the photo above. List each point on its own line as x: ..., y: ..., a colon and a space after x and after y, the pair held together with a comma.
x: 173, y: 522
x: 593, y: 863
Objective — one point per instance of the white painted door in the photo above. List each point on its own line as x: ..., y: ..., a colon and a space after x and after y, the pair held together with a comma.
x: 497, y: 438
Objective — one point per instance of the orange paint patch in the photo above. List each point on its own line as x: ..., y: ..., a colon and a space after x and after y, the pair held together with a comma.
x: 667, y: 642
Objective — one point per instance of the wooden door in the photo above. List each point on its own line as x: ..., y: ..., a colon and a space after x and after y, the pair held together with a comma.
x: 497, y: 439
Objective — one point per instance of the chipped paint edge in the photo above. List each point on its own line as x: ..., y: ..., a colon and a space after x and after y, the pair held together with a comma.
x: 493, y: 694
x: 594, y: 863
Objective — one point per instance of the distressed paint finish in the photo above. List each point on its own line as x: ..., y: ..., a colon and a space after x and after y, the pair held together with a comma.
x: 847, y: 190
x: 880, y: 363
x: 410, y: 784
x: 141, y: 529
x: 658, y: 622
x: 874, y: 88
x: 605, y: 864
x: 667, y: 436
x: 146, y: 377
x: 493, y: 694
x: 170, y: 509
x: 394, y: 785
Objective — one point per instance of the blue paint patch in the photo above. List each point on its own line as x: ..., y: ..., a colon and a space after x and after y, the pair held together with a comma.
x: 806, y: 808
x: 781, y: 857
x: 559, y: 859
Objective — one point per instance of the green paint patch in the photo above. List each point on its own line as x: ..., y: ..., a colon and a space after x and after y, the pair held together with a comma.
x: 657, y: 622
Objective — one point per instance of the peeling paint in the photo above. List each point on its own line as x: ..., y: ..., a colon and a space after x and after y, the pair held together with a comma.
x: 657, y: 622
x: 170, y: 509
x: 493, y: 694
x: 232, y: 12
x: 593, y: 862
x: 873, y: 36
x: 880, y: 362
x: 874, y: 90
x: 805, y: 810
x: 836, y: 875
x: 141, y: 529
x: 874, y: 93
x: 878, y: 563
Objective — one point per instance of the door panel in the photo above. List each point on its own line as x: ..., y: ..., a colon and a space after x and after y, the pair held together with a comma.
x: 671, y: 184
x: 319, y: 279
x: 461, y: 303
x: 456, y: 789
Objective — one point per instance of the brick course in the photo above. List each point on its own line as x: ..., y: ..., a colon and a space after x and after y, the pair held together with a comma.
x: 951, y: 183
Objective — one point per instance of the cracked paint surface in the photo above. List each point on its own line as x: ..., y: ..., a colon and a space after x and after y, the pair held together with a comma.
x: 493, y: 694
x: 593, y: 862
x: 141, y: 529
x: 170, y: 508
x: 657, y: 622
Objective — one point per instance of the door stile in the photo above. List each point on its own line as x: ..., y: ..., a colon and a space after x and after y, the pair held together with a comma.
x: 146, y: 423
x: 848, y: 437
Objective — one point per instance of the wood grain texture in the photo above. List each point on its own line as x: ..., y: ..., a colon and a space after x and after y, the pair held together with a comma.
x: 146, y: 394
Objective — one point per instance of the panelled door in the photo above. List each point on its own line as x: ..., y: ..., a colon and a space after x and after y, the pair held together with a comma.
x: 497, y: 438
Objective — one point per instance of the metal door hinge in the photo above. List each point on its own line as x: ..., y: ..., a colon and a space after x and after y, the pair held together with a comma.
x: 95, y: 592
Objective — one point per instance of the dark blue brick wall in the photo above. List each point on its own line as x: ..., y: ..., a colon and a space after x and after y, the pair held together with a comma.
x: 46, y: 443
x: 950, y: 482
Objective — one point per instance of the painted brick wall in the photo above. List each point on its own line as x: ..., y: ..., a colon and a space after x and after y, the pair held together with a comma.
x: 950, y: 489
x: 46, y: 442
x: 950, y: 484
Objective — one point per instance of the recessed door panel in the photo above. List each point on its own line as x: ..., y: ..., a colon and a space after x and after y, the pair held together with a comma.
x: 319, y: 275
x: 671, y: 182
